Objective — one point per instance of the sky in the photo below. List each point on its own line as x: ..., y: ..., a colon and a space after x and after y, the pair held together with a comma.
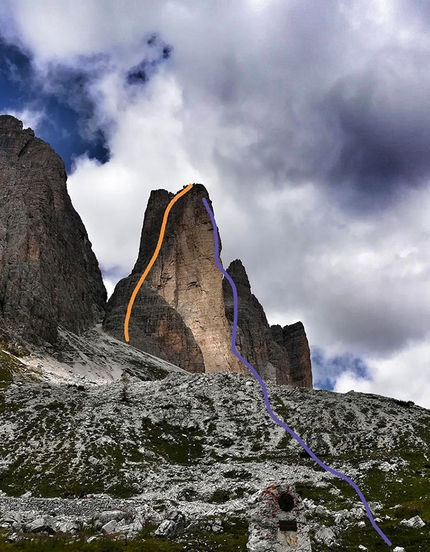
x: 307, y: 121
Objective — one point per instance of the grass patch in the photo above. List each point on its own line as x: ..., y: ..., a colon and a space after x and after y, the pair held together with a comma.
x: 238, y: 474
x: 220, y: 496
x: 174, y: 443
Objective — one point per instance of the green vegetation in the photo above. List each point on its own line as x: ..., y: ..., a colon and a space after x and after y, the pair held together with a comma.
x: 413, y: 494
x: 412, y: 540
x: 238, y: 474
x: 68, y: 442
x: 173, y: 443
x: 8, y: 366
x: 322, y: 495
x: 219, y: 496
x: 112, y: 452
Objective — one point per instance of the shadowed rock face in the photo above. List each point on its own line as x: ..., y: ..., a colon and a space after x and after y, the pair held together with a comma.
x: 294, y: 341
x: 155, y: 327
x: 285, y: 360
x: 49, y: 275
x: 183, y: 313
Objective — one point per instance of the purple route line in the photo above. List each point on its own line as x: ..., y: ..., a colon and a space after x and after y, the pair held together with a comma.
x: 263, y: 386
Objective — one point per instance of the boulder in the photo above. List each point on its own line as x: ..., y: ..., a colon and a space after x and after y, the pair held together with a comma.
x: 172, y: 526
x: 416, y: 522
x: 45, y: 524
x: 110, y: 527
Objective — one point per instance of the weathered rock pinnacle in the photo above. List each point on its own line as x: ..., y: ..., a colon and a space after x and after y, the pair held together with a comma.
x: 294, y: 341
x: 283, y: 360
x: 184, y: 310
x: 186, y: 278
x: 49, y: 275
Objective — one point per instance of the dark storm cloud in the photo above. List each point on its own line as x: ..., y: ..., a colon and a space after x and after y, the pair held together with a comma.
x: 321, y: 104
x: 15, y: 74
x: 63, y: 94
x: 138, y: 74
x: 383, y: 116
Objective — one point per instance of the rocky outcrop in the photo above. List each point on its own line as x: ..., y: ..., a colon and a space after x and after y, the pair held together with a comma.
x: 283, y: 358
x: 49, y: 275
x: 179, y: 311
x: 253, y: 338
x: 278, y: 521
x: 183, y: 313
x: 294, y: 341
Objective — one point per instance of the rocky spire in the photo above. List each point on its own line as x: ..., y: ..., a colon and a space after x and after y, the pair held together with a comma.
x: 238, y: 273
x: 186, y: 278
x: 277, y: 360
x: 49, y: 275
x: 184, y: 310
x: 294, y: 341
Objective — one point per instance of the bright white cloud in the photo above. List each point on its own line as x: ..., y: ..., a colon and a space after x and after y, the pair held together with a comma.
x: 30, y: 118
x: 404, y: 376
x: 146, y: 154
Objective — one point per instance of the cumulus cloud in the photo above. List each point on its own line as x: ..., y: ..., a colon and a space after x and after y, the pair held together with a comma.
x: 389, y: 376
x: 328, y: 370
x: 308, y: 123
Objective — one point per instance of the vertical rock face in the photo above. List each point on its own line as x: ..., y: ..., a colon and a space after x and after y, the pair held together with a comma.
x: 186, y: 279
x: 155, y: 327
x: 49, y: 275
x: 282, y: 357
x: 184, y: 310
x: 294, y: 341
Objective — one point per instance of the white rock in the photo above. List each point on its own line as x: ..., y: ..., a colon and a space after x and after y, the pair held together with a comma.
x: 357, y: 513
x: 67, y: 526
x: 399, y: 549
x: 13, y: 538
x: 325, y: 535
x: 109, y: 515
x: 41, y: 524
x: 416, y: 522
x: 136, y: 526
x: 386, y: 467
x: 166, y: 528
x: 339, y: 518
x: 110, y: 527
x: 361, y: 547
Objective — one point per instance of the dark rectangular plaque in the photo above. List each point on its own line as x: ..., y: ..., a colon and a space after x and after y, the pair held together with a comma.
x: 288, y: 525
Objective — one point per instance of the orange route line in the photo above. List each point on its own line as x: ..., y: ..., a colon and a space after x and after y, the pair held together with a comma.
x: 153, y: 259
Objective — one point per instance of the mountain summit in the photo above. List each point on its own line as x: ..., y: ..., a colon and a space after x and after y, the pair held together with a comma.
x: 50, y: 281
x: 49, y: 275
x: 184, y: 309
